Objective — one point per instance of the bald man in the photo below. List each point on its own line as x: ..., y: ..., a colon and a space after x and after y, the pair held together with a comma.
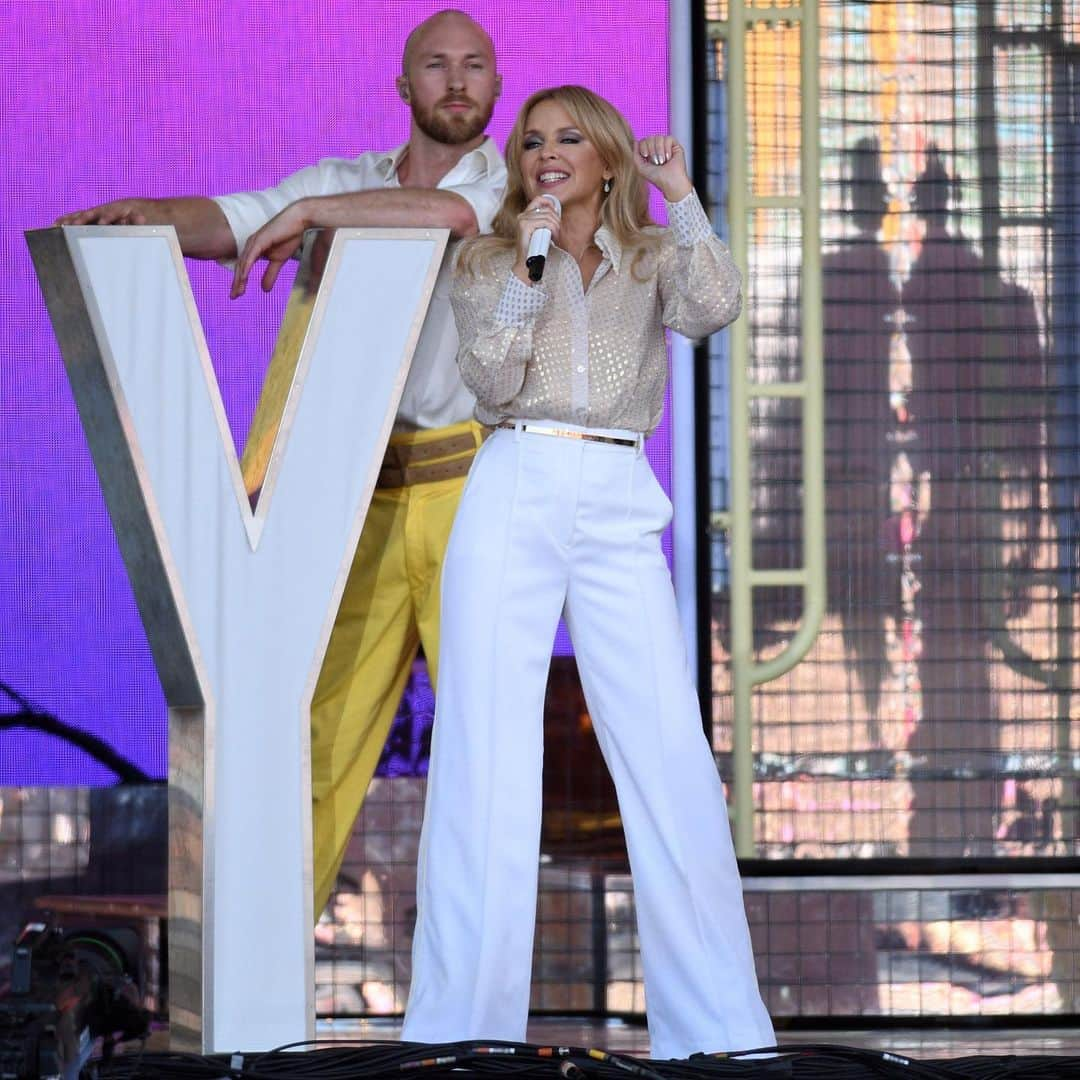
x: 448, y: 175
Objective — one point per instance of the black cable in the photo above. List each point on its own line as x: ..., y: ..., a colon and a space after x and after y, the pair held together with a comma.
x: 367, y: 1060
x: 27, y: 716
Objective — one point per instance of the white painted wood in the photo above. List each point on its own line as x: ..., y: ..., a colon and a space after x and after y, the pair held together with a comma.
x: 256, y: 592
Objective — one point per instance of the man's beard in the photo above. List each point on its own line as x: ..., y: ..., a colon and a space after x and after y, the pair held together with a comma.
x: 449, y: 128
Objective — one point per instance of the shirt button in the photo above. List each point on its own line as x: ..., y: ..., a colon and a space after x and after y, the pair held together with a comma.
x: 581, y: 369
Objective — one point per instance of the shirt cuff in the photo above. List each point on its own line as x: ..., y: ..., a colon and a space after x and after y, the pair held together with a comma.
x: 688, y: 221
x: 520, y: 303
x: 239, y: 217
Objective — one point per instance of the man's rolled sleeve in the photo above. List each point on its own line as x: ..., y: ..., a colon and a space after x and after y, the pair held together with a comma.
x: 484, y: 198
x: 248, y: 211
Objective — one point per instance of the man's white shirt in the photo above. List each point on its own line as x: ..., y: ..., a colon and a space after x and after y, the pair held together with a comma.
x: 434, y: 395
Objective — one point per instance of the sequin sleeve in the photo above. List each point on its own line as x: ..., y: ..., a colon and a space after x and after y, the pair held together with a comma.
x: 495, y: 313
x: 700, y: 285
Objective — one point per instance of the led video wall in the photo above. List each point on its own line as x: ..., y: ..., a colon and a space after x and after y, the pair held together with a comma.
x: 105, y: 98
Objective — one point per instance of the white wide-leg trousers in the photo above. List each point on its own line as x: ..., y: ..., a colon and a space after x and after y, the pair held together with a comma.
x: 550, y: 526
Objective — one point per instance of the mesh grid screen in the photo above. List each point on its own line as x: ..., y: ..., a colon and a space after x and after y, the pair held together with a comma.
x: 857, y: 949
x: 145, y: 97
x: 936, y: 713
x: 861, y: 950
x: 88, y: 859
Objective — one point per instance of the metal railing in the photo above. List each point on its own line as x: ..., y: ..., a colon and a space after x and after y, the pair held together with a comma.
x: 809, y: 390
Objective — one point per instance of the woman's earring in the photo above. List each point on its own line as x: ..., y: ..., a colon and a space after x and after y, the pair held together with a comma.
x: 607, y: 186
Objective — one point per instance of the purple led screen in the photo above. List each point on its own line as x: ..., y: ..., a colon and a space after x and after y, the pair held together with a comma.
x: 105, y: 98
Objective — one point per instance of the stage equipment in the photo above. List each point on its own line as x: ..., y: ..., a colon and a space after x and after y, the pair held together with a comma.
x: 465, y: 1061
x: 68, y: 989
x: 237, y: 568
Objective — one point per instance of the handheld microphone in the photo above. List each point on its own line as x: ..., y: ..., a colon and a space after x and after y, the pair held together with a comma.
x: 539, y: 243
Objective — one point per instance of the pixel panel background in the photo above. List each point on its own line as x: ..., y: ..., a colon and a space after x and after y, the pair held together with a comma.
x: 105, y: 98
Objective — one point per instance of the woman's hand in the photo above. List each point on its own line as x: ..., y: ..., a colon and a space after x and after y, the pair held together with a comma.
x: 660, y: 159
x: 539, y: 214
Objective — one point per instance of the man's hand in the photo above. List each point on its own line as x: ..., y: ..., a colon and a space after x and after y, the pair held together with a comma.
x: 120, y: 212
x: 200, y: 224
x: 408, y: 208
x: 277, y: 241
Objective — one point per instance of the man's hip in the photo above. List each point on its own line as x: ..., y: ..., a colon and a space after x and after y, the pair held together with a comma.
x: 430, y: 456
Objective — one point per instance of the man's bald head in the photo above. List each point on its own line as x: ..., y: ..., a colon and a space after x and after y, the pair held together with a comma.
x: 448, y: 77
x: 451, y: 19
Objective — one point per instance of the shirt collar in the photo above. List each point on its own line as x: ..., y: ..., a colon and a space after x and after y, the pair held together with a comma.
x: 493, y: 160
x: 387, y: 164
x: 609, y: 247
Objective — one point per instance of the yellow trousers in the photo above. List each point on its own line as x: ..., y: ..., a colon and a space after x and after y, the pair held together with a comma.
x: 390, y: 606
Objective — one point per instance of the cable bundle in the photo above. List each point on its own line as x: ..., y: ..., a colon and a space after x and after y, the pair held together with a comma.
x: 452, y: 1061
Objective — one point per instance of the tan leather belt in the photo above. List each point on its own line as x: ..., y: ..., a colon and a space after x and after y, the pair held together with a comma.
x: 406, y: 464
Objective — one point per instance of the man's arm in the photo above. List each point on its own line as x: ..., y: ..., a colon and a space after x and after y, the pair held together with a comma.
x: 279, y: 238
x: 391, y: 208
x: 200, y: 225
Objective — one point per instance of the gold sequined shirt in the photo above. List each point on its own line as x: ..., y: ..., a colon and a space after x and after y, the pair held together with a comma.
x: 596, y: 356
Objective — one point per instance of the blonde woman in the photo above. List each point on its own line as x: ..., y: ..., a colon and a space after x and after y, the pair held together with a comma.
x: 562, y: 515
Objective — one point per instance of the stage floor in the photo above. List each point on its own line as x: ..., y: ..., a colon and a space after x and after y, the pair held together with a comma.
x: 619, y: 1036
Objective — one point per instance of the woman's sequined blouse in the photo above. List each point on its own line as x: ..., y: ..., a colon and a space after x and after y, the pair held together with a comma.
x: 597, y: 356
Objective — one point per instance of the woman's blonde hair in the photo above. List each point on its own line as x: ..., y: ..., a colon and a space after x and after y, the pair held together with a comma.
x: 624, y: 210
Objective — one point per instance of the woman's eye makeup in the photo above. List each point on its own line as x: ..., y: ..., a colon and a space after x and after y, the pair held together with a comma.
x: 572, y: 138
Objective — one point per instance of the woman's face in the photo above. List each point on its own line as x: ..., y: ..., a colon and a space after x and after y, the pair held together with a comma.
x: 556, y: 157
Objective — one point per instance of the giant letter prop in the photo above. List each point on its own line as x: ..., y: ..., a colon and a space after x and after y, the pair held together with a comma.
x: 237, y: 573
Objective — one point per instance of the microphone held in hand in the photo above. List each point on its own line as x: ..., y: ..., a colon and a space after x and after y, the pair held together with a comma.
x: 539, y: 243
